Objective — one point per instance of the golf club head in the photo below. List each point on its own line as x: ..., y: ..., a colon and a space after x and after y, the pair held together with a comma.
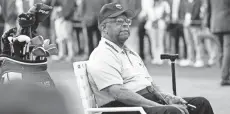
x: 49, y: 46
x: 10, y: 39
x: 46, y: 43
x: 52, y: 51
x: 37, y: 40
x: 39, y: 51
x: 23, y: 38
x: 14, y: 39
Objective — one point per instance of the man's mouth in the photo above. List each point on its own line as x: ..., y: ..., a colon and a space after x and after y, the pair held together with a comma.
x: 124, y: 32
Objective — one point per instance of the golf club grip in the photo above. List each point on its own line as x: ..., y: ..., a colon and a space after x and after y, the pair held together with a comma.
x: 169, y: 56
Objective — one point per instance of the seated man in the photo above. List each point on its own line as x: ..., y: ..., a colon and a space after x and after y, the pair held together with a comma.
x: 119, y: 77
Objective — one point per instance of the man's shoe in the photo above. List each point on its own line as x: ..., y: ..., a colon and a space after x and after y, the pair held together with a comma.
x: 157, y: 62
x: 199, y: 64
x: 225, y: 83
x: 211, y: 62
x: 185, y: 63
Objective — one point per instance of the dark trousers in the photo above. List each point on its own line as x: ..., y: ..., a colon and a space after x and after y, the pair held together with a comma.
x: 90, y: 32
x: 141, y: 36
x: 202, y: 106
x: 176, y: 32
x: 80, y: 44
x: 224, y: 39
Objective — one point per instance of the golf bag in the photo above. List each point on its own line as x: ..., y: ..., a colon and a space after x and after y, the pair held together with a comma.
x: 12, y: 69
x: 24, y: 51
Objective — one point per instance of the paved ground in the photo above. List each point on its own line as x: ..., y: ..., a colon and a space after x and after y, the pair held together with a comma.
x: 190, y: 82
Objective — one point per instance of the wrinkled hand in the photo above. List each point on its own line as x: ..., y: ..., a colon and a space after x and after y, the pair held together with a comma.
x: 181, y: 107
x: 172, y: 99
x: 177, y: 100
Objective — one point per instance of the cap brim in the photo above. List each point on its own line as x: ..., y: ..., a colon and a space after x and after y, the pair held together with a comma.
x: 129, y: 13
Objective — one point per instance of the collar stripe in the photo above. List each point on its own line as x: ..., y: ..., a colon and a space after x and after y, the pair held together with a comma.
x: 108, y: 44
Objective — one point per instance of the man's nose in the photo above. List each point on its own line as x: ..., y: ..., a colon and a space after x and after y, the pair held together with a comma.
x: 125, y: 24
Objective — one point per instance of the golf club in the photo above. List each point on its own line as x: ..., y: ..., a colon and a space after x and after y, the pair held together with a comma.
x: 36, y: 41
x: 26, y: 39
x: 52, y: 51
x: 11, y: 45
x: 46, y: 42
x: 39, y: 52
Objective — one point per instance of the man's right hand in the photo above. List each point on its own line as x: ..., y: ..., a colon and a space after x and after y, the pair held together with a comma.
x: 181, y: 107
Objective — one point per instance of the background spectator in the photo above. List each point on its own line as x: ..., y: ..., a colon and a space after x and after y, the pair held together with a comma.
x: 156, y: 26
x: 192, y: 27
x: 218, y: 22
x: 64, y: 29
x: 175, y: 27
x: 91, y: 9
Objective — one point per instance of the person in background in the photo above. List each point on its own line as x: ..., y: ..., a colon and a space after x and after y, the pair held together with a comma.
x: 142, y: 18
x: 175, y: 27
x: 219, y: 23
x: 206, y: 40
x: 64, y: 29
x: 79, y: 28
x: 9, y: 12
x: 91, y: 9
x: 1, y: 26
x: 156, y: 27
x: 192, y: 27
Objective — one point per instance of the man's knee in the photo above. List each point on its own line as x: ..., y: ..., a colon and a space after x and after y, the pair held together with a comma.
x: 202, y: 101
x: 172, y: 110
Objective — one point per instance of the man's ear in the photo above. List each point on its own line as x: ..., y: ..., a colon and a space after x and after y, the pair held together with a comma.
x: 103, y: 28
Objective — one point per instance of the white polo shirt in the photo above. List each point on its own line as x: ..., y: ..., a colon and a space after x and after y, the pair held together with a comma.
x: 109, y: 64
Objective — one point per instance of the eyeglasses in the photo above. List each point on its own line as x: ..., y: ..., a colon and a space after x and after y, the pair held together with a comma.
x: 121, y: 21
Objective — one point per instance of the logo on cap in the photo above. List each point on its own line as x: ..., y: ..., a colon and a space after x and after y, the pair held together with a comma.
x: 118, y: 6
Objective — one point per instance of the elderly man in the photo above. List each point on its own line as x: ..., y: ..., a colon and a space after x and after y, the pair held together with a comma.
x: 119, y: 77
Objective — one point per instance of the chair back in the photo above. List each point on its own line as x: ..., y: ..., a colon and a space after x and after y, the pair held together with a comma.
x: 86, y: 94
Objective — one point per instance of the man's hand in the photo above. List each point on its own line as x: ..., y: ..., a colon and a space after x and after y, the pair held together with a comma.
x: 172, y: 99
x: 181, y: 107
x: 177, y: 100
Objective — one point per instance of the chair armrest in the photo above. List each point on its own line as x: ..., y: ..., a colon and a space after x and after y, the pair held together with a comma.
x: 117, y: 109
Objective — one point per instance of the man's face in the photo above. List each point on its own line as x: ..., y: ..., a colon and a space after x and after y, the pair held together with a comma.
x: 119, y: 28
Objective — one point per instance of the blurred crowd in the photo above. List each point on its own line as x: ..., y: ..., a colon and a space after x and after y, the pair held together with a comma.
x: 160, y: 26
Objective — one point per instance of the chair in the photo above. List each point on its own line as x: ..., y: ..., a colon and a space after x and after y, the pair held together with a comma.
x: 87, y: 96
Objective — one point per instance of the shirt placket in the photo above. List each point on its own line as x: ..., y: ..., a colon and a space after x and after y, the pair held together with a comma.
x: 127, y: 55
